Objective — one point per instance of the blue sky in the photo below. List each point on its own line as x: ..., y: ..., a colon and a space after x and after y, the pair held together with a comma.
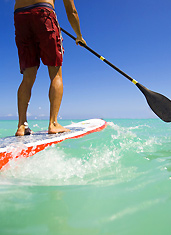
x: 134, y: 35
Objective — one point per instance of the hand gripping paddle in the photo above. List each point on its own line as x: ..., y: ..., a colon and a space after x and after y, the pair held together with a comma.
x: 160, y: 104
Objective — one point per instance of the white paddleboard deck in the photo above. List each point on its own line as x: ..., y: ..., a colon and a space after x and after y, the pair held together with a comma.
x: 26, y: 146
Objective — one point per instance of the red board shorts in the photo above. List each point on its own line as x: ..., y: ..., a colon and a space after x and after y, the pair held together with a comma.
x: 37, y: 35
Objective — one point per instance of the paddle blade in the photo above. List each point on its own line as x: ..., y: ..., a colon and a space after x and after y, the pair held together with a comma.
x: 160, y: 104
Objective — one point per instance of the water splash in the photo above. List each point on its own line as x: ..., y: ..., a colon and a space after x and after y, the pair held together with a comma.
x: 54, y: 166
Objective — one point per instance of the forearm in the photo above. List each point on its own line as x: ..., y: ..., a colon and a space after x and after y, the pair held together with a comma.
x: 74, y: 19
x: 75, y: 23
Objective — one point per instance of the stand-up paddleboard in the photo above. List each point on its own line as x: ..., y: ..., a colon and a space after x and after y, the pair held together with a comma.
x: 28, y: 145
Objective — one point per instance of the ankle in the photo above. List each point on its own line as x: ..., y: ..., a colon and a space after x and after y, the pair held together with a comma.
x: 22, y: 123
x: 53, y: 124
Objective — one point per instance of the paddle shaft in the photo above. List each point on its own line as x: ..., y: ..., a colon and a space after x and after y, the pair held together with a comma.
x: 101, y: 57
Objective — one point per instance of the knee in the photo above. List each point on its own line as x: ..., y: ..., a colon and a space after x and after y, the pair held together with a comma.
x: 29, y: 77
x: 55, y: 73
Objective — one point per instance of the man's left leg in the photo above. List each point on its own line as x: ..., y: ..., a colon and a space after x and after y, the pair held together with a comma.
x: 24, y: 94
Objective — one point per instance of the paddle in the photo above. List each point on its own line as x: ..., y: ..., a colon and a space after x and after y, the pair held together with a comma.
x: 160, y: 104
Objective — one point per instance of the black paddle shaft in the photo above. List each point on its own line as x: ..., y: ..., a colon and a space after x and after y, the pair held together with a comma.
x: 160, y: 104
x: 99, y: 56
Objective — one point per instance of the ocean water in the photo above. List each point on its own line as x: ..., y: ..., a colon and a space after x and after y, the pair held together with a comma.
x: 117, y: 181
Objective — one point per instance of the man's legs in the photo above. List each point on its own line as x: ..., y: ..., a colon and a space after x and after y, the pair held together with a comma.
x: 24, y: 94
x: 55, y: 97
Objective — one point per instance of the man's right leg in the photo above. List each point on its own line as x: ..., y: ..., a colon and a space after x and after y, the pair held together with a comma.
x: 55, y: 97
x: 24, y: 94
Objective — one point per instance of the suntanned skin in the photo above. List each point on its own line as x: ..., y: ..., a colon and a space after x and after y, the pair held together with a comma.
x: 24, y: 3
x: 55, y: 74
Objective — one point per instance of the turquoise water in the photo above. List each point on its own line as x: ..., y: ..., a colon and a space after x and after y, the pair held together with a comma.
x: 117, y: 181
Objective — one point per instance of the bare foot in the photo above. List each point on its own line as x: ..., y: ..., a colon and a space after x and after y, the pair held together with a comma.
x: 23, y: 130
x: 20, y: 131
x: 57, y: 128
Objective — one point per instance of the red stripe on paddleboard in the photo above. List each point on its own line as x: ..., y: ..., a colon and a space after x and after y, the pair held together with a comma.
x: 5, y: 157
